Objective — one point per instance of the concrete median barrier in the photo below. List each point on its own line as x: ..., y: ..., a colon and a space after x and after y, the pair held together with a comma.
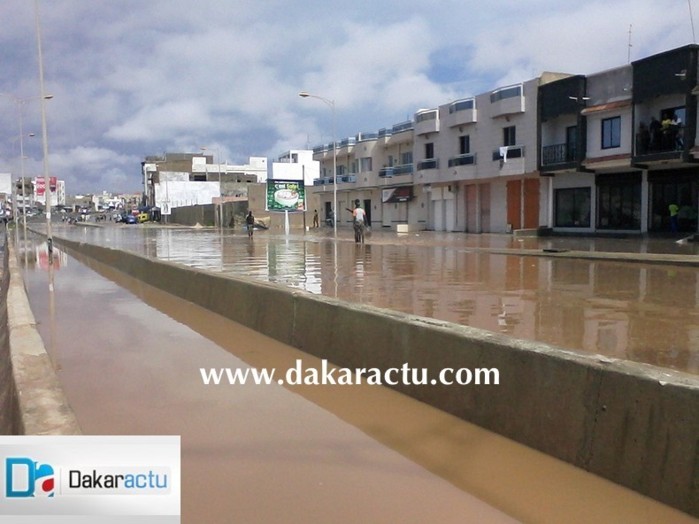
x: 32, y: 401
x: 634, y: 424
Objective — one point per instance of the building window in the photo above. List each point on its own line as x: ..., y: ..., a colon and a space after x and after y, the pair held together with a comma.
x: 406, y: 158
x: 611, y: 132
x: 365, y: 164
x: 429, y: 150
x: 505, y: 92
x: 573, y: 207
x: 619, y: 201
x: 509, y: 136
x: 464, y: 145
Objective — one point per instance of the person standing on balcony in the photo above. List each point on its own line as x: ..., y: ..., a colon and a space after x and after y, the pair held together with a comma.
x: 655, y: 132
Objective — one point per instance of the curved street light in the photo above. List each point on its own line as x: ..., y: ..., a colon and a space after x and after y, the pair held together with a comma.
x: 331, y: 104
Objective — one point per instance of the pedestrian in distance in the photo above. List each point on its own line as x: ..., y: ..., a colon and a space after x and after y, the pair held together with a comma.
x: 250, y: 223
x: 674, y: 211
x: 316, y: 220
x: 358, y: 222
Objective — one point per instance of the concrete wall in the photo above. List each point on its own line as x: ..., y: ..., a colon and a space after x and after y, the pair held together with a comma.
x: 632, y: 423
x: 10, y: 421
x: 31, y: 398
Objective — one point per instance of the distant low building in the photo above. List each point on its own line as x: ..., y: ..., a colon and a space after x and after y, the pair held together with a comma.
x: 185, y: 179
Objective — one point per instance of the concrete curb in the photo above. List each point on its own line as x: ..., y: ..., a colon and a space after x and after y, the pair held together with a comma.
x: 631, y: 423
x: 43, y: 408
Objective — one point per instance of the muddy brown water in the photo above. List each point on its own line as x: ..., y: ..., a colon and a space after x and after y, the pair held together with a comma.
x: 634, y: 311
x: 129, y: 356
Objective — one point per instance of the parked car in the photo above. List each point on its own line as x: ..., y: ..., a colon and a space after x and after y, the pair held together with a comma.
x: 130, y: 219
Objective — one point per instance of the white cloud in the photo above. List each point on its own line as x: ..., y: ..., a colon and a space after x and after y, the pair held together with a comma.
x: 133, y: 78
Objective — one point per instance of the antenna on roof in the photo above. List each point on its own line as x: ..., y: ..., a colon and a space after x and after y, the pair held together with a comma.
x: 691, y: 19
x: 628, y: 58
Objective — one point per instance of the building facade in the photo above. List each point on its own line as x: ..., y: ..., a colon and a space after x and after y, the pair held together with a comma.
x: 608, y: 152
x: 186, y: 179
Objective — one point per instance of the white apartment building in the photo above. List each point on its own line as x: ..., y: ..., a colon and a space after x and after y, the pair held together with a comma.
x: 468, y: 165
x: 603, y: 153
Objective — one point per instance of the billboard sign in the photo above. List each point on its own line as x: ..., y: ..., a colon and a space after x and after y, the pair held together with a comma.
x: 286, y: 195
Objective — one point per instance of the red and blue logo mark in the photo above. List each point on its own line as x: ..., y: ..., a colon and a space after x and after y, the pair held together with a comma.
x: 25, y: 478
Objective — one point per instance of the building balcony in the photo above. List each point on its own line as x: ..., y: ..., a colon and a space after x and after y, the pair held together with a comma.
x: 430, y: 163
x: 507, y: 152
x: 558, y: 154
x: 463, y: 160
x: 462, y: 112
x: 507, y: 101
x: 426, y: 122
x: 388, y: 172
x: 401, y: 133
x: 364, y: 137
x: 347, y: 179
x: 667, y: 147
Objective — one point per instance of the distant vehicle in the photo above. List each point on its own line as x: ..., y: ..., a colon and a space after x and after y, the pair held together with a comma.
x: 130, y: 219
x: 143, y: 217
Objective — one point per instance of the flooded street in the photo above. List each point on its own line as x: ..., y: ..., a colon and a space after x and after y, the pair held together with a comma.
x: 129, y: 356
x: 637, y: 311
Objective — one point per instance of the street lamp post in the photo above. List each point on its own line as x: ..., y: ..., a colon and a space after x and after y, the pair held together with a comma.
x: 331, y: 104
x: 220, y: 190
x: 44, y: 132
x: 20, y: 102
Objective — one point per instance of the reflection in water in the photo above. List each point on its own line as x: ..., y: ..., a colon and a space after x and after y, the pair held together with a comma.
x: 646, y: 313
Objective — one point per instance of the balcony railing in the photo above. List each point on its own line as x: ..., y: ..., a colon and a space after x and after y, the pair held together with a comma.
x: 347, y: 178
x: 431, y: 163
x: 462, y: 160
x: 558, y: 154
x: 403, y: 126
x: 387, y: 172
x: 512, y: 152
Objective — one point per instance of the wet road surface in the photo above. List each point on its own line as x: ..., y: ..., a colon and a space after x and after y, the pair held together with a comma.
x: 644, y: 312
x: 129, y: 357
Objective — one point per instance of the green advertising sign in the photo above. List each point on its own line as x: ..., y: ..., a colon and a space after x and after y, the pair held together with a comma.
x: 286, y: 195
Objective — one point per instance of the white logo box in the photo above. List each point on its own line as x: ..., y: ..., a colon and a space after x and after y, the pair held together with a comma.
x: 118, y: 478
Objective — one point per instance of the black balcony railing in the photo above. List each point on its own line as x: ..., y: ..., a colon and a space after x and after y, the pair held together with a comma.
x: 558, y: 154
x: 463, y: 160
x: 431, y: 163
x: 512, y: 152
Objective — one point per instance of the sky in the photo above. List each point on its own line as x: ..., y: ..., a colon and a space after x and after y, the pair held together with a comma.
x: 133, y: 78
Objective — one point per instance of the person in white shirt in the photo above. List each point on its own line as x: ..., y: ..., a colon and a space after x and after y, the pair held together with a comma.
x: 359, y: 222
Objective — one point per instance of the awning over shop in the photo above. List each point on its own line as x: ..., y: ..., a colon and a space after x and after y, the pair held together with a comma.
x: 611, y: 106
x: 397, y: 194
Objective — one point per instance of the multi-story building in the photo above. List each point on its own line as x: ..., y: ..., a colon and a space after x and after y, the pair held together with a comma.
x: 469, y: 165
x: 619, y: 146
x: 607, y: 152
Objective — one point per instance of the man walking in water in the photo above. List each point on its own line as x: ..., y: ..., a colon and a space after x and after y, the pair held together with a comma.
x: 250, y: 223
x: 359, y: 220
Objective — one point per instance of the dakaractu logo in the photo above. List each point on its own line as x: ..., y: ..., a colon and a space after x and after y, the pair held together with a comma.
x: 26, y: 478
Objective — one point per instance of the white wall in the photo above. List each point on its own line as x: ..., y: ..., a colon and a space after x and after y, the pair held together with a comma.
x: 170, y: 194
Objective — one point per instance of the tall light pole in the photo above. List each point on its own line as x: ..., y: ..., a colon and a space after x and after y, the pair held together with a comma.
x: 44, y: 132
x: 220, y: 191
x: 20, y: 102
x: 331, y: 104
